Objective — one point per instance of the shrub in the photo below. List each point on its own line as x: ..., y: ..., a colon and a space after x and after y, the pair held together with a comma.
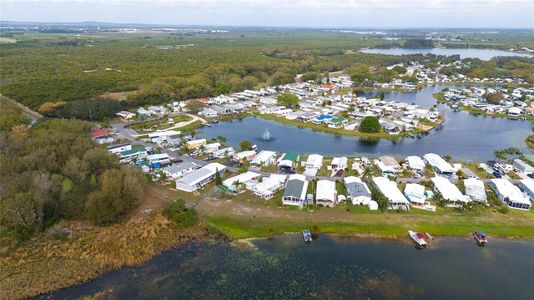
x: 177, y: 212
x: 370, y: 124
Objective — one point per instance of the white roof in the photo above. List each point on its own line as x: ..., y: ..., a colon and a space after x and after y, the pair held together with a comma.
x: 528, y: 184
x: 163, y: 133
x: 201, y: 174
x: 340, y: 161
x: 245, y: 154
x: 195, y: 142
x: 262, y: 157
x: 509, y: 190
x: 326, y: 190
x: 415, y: 192
x: 415, y: 163
x: 158, y: 156
x: 448, y: 190
x: 241, y: 178
x: 315, y: 160
x: 475, y: 189
x: 268, y: 183
x: 390, y: 190
x: 439, y: 163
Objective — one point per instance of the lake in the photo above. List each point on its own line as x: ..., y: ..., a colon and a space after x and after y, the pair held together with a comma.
x: 348, y: 268
x: 462, y: 135
x: 482, y: 54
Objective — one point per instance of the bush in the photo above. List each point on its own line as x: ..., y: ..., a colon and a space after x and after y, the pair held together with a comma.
x: 370, y: 125
x: 57, y: 233
x: 177, y: 212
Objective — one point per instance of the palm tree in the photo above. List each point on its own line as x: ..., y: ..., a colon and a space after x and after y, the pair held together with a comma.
x: 193, y: 133
x: 202, y: 148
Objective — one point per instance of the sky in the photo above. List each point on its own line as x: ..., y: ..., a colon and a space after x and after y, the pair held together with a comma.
x: 280, y: 13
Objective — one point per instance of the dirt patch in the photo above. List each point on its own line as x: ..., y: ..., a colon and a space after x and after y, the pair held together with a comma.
x: 117, y: 96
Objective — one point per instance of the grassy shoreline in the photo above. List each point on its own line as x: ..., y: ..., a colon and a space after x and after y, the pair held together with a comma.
x: 239, y: 228
x: 339, y: 131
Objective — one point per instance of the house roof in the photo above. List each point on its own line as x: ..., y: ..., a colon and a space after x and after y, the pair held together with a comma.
x: 179, y: 167
x: 99, y: 132
x: 291, y: 155
x: 133, y: 151
x: 296, y: 187
x: 356, y: 187
x: 326, y: 190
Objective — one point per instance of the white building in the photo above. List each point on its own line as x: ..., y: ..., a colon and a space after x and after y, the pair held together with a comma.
x: 240, y: 181
x: 415, y: 193
x: 225, y: 152
x: 449, y: 191
x: 338, y: 163
x: 415, y: 163
x: 439, y: 165
x: 116, y: 149
x: 528, y: 187
x: 510, y: 194
x: 199, y: 178
x: 387, y: 165
x: 314, y: 161
x: 326, y: 193
x: 295, y: 191
x: 178, y: 170
x: 357, y: 191
x: 264, y: 158
x: 245, y: 155
x: 475, y: 189
x: 159, y: 137
x: 195, y: 144
x: 269, y: 185
x: 126, y: 115
x: 522, y: 167
x: 390, y: 190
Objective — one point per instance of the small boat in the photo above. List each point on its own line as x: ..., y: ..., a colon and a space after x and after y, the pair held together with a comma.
x: 480, y: 237
x: 418, y: 238
x: 429, y: 236
x: 306, y: 234
x: 207, y: 125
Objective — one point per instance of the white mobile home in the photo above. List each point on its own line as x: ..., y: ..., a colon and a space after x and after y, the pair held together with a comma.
x: 199, y: 178
x: 415, y: 163
x: 415, y: 193
x: 269, y: 185
x: 178, y: 170
x: 391, y: 191
x: 439, y: 165
x: 357, y: 191
x: 326, y: 193
x: 314, y: 161
x: 449, y: 191
x: 475, y: 189
x: 510, y: 194
x: 264, y: 158
x: 240, y: 181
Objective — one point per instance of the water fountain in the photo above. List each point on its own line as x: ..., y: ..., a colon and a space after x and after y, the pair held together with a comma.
x: 266, y: 136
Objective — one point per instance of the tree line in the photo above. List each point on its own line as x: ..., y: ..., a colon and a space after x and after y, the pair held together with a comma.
x: 54, y: 171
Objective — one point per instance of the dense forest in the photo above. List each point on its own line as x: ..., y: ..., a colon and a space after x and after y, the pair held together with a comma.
x: 53, y: 171
x: 65, y: 75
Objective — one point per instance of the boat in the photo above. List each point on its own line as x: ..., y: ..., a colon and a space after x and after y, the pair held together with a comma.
x: 306, y: 234
x: 418, y: 238
x: 480, y: 237
x: 429, y: 236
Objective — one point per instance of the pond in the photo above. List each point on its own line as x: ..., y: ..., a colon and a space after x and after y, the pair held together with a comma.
x: 462, y: 135
x: 482, y: 54
x: 451, y: 268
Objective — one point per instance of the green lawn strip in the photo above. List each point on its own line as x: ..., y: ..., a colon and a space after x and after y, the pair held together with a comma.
x: 245, y: 228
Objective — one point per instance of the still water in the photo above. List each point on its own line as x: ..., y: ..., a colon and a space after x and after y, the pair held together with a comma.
x: 451, y: 268
x: 482, y: 54
x: 462, y: 135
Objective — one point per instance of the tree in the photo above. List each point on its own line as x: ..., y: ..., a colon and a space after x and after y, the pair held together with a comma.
x: 381, y: 96
x: 177, y: 211
x: 119, y: 191
x: 370, y: 124
x: 494, y: 98
x: 218, y: 179
x: 400, y: 69
x: 245, y: 145
x: 288, y: 100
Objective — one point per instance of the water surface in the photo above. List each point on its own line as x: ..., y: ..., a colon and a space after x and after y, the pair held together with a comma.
x: 452, y: 268
x: 482, y: 54
x: 462, y: 135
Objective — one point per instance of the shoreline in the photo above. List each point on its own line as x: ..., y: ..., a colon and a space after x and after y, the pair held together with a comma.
x: 344, y: 132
